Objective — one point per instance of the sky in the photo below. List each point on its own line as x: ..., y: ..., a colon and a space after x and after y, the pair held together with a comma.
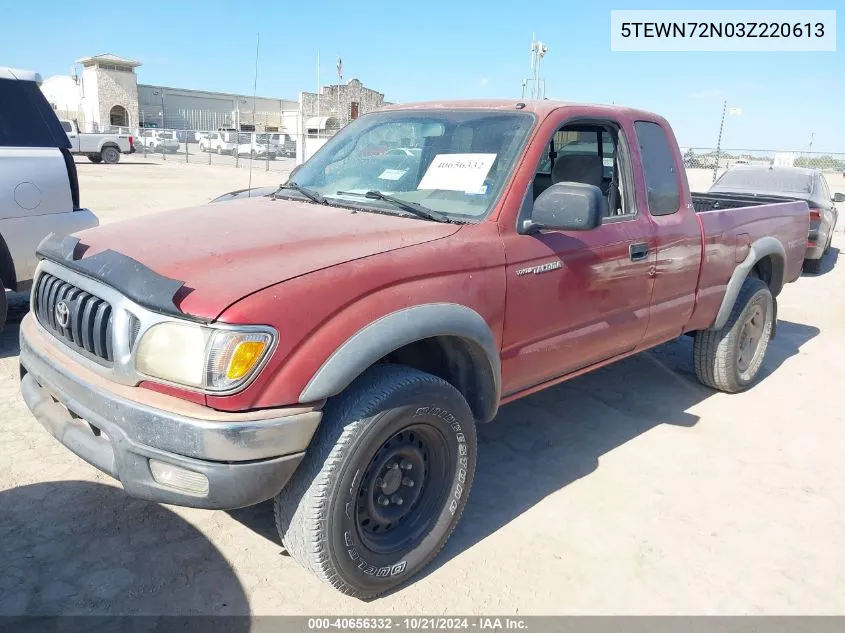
x: 442, y: 49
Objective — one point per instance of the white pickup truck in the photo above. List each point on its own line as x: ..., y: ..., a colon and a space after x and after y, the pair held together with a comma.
x: 99, y: 148
x: 39, y: 188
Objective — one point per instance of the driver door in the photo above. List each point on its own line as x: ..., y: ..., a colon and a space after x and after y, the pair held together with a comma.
x: 576, y: 298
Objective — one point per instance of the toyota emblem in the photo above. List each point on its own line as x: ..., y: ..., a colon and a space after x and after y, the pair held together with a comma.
x: 62, y: 314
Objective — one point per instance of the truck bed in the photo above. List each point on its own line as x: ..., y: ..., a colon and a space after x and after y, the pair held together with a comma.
x: 730, y: 224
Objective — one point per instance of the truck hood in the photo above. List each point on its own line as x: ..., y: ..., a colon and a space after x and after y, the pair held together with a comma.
x: 224, y: 252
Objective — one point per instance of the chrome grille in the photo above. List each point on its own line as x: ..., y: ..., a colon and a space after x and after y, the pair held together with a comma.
x: 88, y: 326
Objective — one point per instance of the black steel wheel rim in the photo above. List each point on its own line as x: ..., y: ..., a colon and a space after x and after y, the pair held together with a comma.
x: 403, y: 489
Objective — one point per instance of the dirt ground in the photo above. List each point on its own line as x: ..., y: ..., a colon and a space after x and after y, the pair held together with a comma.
x: 630, y: 490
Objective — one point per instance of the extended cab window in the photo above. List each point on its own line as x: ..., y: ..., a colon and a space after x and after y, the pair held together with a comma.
x: 26, y: 119
x: 454, y: 162
x: 661, y: 177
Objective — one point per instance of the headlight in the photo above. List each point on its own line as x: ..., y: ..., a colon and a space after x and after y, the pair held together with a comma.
x: 208, y: 358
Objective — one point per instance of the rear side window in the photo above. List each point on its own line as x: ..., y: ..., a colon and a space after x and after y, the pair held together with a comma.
x: 26, y: 119
x: 661, y: 178
x: 67, y: 127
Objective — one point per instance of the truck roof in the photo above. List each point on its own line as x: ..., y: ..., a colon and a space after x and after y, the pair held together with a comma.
x: 541, y: 108
x: 21, y: 75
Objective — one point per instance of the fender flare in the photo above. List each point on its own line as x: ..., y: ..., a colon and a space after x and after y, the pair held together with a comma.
x: 395, y: 330
x: 106, y: 144
x: 763, y: 247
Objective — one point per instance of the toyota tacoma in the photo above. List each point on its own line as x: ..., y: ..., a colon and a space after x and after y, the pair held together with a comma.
x: 333, y: 345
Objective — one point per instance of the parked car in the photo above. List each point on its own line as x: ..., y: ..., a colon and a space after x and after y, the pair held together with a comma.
x: 99, y: 148
x: 333, y: 346
x: 795, y: 183
x: 187, y: 136
x: 160, y: 141
x: 216, y: 142
x: 284, y: 143
x: 256, y: 146
x: 39, y: 190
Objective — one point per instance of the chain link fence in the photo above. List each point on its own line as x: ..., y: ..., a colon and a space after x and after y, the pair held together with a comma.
x: 705, y: 164
x: 268, y: 148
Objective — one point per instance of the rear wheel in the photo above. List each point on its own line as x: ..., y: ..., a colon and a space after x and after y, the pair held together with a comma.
x: 813, y: 266
x: 110, y: 155
x: 384, y: 482
x: 95, y: 158
x: 729, y: 359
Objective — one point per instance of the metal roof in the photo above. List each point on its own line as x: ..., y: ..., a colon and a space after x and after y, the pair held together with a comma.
x: 321, y: 123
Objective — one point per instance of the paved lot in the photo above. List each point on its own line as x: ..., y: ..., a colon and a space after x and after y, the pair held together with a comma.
x: 630, y: 490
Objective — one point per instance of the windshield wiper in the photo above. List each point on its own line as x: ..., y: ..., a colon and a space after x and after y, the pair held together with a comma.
x: 312, y: 195
x: 411, y: 207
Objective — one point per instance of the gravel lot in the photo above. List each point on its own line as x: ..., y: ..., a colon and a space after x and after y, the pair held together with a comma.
x: 630, y: 490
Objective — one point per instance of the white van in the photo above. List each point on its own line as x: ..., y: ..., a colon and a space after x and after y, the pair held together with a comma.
x: 39, y: 190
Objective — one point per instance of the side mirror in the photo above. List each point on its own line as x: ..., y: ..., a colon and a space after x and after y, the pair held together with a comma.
x: 839, y: 197
x: 567, y: 206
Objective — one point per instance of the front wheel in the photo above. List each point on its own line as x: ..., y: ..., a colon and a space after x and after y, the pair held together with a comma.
x: 384, y: 482
x: 729, y: 359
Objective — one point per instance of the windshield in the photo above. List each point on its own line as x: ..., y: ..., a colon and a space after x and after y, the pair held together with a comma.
x: 774, y: 181
x: 454, y: 162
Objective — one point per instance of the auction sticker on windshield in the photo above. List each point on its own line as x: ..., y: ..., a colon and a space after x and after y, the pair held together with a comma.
x: 457, y: 172
x: 392, y: 174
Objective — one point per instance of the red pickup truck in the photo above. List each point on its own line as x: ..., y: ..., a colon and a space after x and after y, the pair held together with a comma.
x: 333, y: 345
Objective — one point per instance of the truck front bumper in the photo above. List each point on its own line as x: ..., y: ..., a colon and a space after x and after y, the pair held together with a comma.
x: 160, y: 447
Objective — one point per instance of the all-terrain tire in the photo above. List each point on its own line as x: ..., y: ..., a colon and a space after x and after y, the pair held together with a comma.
x: 716, y: 352
x: 813, y: 266
x: 318, y: 514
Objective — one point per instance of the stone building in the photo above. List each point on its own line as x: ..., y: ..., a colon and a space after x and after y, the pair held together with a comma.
x: 338, y: 105
x: 106, y: 94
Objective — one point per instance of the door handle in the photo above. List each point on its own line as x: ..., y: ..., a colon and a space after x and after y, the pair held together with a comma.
x: 638, y: 252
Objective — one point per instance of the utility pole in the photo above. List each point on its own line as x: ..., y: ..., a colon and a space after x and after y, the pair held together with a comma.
x: 719, y: 142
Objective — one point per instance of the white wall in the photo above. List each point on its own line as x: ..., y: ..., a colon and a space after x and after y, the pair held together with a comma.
x: 62, y: 92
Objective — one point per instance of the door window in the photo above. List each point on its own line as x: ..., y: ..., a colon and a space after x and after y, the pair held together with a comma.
x: 598, y: 155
